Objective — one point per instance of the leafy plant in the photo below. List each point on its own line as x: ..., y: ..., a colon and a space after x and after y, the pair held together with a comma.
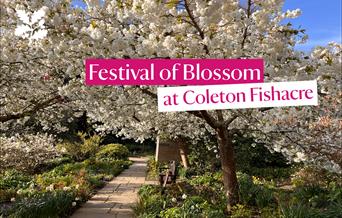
x: 252, y: 154
x: 240, y: 211
x: 310, y: 175
x: 150, y: 201
x: 81, y: 148
x: 13, y: 179
x: 113, y: 152
x: 254, y: 194
x: 333, y: 210
x: 264, y: 197
x: 152, y: 168
x: 296, y: 211
x: 49, y: 204
x: 269, y: 212
x: 203, y: 157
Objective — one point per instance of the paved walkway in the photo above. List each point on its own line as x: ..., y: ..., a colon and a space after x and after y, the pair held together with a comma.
x: 118, y: 197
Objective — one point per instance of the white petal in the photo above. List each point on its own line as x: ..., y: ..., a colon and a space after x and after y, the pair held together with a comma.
x: 37, y: 15
x: 39, y: 34
x: 41, y: 23
x: 23, y: 16
x: 21, y: 30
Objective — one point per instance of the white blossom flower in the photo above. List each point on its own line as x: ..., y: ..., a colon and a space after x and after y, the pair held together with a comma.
x: 50, y: 188
x: 32, y: 26
x: 66, y: 188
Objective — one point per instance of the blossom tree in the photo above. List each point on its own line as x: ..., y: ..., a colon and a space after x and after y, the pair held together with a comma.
x: 26, y: 152
x: 29, y: 83
x: 43, y: 71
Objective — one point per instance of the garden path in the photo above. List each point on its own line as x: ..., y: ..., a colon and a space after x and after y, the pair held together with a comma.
x: 116, y: 199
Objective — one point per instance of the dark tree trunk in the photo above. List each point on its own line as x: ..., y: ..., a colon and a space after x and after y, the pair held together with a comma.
x: 228, y: 166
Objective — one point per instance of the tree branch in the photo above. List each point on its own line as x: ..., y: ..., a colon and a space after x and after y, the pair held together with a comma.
x: 149, y: 93
x: 209, y: 119
x: 245, y: 32
x: 195, y: 24
x: 230, y: 120
x: 36, y: 108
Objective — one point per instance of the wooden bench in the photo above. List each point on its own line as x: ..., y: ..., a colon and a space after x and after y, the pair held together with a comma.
x: 168, y: 175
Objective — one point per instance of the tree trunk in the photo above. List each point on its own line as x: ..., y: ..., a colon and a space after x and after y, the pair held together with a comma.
x: 228, y: 166
x: 157, y: 148
x: 183, y: 152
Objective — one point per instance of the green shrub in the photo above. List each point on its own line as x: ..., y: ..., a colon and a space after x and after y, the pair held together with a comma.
x: 173, y: 212
x: 253, y: 194
x: 196, y: 206
x: 270, y: 173
x: 113, y: 167
x: 140, y: 149
x: 10, y: 182
x: 180, y: 200
x: 152, y: 168
x: 147, y: 190
x: 92, y: 171
x: 317, y: 196
x: 61, y: 181
x: 310, y: 201
x: 203, y: 157
x: 334, y: 192
x: 96, y: 181
x: 49, y: 204
x: 150, y: 203
x: 51, y: 164
x: 247, y: 188
x: 13, y: 179
x: 264, y: 197
x: 113, y: 152
x: 193, y: 207
x: 297, y: 210
x: 333, y: 210
x: 82, y: 148
x: 249, y: 153
x: 251, y: 157
x: 310, y: 175
x: 269, y: 212
x: 56, y: 188
x: 65, y: 169
x: 312, y: 195
x: 208, y: 179
x: 240, y: 211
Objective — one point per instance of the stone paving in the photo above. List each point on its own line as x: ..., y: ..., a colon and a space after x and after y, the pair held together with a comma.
x: 118, y: 197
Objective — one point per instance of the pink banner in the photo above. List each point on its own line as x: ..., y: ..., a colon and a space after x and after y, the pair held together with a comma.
x: 173, y: 71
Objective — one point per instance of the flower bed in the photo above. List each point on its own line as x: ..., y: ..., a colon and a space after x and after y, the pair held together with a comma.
x: 55, y: 193
x: 203, y: 197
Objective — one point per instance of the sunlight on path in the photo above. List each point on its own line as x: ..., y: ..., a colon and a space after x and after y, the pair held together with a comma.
x: 118, y: 196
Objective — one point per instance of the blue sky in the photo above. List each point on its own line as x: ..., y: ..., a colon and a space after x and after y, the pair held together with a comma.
x: 320, y: 19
